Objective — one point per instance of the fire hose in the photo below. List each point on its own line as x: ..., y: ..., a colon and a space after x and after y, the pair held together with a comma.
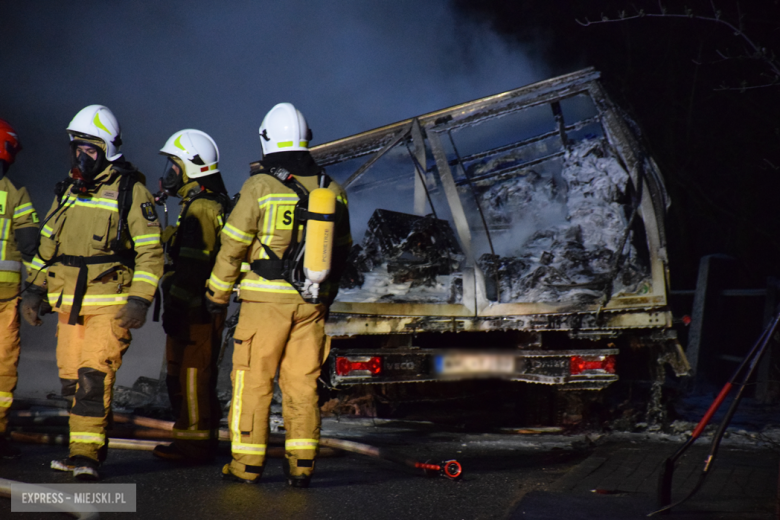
x: 740, y: 380
x: 450, y: 469
x: 157, y: 429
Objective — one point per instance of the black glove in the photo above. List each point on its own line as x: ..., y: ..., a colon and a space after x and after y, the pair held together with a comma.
x: 214, y: 307
x: 32, y: 299
x: 133, y: 314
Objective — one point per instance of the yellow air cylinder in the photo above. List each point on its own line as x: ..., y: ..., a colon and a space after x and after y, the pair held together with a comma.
x: 319, y: 236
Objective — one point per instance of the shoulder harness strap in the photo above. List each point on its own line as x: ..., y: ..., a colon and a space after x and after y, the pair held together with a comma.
x: 124, y: 202
x: 222, y: 199
x: 275, y: 268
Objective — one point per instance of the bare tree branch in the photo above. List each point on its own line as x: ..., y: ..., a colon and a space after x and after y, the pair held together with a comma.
x: 755, y: 51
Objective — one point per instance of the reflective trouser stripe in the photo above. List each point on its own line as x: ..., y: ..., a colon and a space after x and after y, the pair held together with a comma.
x: 190, y: 364
x: 237, y: 446
x: 192, y: 434
x: 301, y: 444
x: 238, y: 390
x: 289, y: 336
x: 248, y: 449
x: 88, y: 438
x: 192, y: 396
x: 6, y: 398
x: 98, y: 346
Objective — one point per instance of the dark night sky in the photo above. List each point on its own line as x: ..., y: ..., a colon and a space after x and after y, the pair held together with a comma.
x: 349, y: 66
x: 162, y: 66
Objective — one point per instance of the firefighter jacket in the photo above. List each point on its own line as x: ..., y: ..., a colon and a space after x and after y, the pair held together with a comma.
x: 18, y: 235
x: 193, y: 248
x: 76, y: 257
x: 262, y: 216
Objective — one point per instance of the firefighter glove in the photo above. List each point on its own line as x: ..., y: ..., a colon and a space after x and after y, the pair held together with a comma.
x: 133, y: 314
x: 215, y: 307
x: 32, y: 300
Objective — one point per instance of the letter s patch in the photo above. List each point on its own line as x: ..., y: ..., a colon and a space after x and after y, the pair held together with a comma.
x: 284, y: 217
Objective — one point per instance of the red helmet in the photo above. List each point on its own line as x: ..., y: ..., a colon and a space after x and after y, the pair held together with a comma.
x: 9, y: 143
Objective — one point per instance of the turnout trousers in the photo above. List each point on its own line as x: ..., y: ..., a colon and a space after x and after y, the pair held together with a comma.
x: 192, y: 387
x: 9, y: 357
x: 289, y: 337
x: 88, y: 355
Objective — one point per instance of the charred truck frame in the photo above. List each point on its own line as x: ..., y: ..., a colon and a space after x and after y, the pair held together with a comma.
x: 518, y: 236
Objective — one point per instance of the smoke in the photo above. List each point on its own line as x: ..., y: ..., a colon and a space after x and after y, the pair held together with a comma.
x: 162, y: 66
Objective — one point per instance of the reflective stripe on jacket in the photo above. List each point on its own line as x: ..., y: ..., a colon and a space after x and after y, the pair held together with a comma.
x: 84, y: 226
x: 16, y: 212
x: 264, y: 215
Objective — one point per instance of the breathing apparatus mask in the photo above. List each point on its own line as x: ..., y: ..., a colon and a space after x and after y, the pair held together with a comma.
x: 3, y: 167
x: 85, y: 167
x: 173, y: 177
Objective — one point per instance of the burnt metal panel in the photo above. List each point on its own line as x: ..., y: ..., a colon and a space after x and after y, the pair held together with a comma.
x: 401, y: 134
x: 422, y: 179
x: 620, y: 312
x: 451, y: 191
x: 418, y: 321
x: 463, y: 114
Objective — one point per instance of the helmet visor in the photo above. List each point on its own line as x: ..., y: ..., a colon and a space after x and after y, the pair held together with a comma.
x: 173, y: 176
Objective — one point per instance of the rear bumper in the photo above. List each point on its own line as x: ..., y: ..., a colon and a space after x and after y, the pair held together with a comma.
x: 550, y: 367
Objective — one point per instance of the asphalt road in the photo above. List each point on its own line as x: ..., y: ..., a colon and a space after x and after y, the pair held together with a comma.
x: 498, y: 471
x: 505, y: 476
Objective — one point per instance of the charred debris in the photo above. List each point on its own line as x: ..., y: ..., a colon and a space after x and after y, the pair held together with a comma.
x: 581, y: 244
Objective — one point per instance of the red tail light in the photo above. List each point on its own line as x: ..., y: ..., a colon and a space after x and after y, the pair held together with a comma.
x: 596, y: 364
x: 358, y: 366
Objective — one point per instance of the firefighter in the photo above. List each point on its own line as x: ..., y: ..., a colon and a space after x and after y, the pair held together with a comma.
x: 277, y: 327
x: 99, y: 262
x: 193, y: 334
x: 18, y: 241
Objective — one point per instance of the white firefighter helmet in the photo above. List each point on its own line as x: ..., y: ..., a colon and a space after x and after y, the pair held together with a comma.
x: 196, y: 149
x: 284, y: 129
x: 98, y: 122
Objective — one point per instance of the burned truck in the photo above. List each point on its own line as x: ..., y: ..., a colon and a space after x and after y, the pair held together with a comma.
x: 518, y: 236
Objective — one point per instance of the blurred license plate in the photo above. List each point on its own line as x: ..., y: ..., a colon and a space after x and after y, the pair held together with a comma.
x: 449, y: 364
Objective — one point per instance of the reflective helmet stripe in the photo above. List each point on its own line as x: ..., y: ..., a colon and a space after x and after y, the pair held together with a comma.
x: 99, y: 124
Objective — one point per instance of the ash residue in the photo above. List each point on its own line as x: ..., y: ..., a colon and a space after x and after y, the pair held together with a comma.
x: 403, y: 258
x: 146, y: 393
x: 571, y: 260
